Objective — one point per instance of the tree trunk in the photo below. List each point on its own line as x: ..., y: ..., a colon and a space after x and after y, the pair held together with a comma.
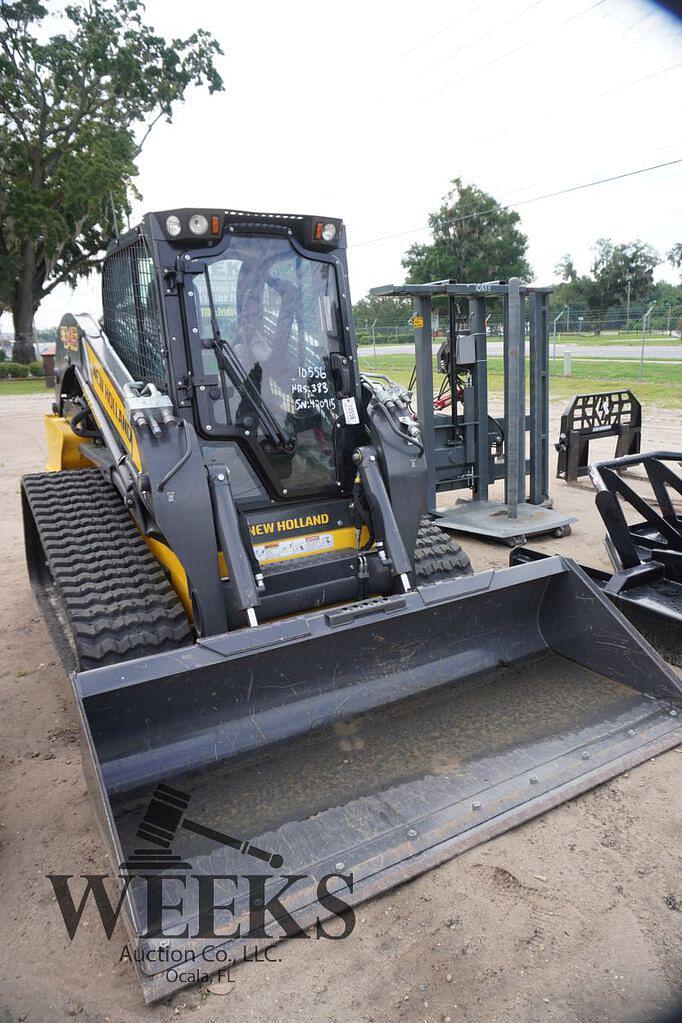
x: 24, y: 308
x: 23, y: 350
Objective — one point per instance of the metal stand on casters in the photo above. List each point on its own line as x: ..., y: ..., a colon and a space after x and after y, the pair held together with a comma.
x: 474, y: 450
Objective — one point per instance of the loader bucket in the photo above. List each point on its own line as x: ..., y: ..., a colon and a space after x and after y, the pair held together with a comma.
x: 368, y: 742
x: 651, y: 600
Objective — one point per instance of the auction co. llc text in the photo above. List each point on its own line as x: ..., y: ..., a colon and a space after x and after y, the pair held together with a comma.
x: 175, y: 959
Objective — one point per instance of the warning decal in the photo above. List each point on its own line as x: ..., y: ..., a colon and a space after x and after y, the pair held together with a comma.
x: 277, y: 550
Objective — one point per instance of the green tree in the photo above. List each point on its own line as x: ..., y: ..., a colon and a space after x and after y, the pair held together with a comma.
x: 613, y: 269
x: 75, y: 110
x: 565, y: 268
x: 616, y: 266
x: 385, y: 310
x: 664, y: 292
x: 675, y: 257
x: 473, y: 240
x: 668, y: 299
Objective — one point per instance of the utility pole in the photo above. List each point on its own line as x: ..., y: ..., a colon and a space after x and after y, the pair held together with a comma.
x: 556, y: 320
x: 627, y: 308
x: 646, y: 319
x: 669, y: 312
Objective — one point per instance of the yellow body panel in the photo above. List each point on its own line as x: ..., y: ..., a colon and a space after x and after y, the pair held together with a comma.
x: 178, y: 578
x: 64, y: 449
x: 108, y: 395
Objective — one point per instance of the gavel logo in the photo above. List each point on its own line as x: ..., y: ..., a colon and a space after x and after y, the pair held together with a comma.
x: 163, y: 817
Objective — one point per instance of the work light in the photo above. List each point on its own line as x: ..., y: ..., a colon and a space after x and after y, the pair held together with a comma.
x: 173, y: 225
x: 198, y: 224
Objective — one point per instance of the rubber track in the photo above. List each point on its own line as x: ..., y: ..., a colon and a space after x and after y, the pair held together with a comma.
x: 437, y: 556
x: 117, y: 598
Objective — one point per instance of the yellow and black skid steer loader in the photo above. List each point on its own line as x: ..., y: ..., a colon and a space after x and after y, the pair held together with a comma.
x: 282, y: 669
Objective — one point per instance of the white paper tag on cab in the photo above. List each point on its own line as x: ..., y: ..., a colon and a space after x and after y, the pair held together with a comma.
x: 350, y: 411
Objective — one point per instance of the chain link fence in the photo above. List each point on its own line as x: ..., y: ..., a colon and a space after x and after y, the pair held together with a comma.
x: 662, y: 321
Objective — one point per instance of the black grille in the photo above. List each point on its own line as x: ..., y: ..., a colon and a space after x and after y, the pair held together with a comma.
x: 132, y: 318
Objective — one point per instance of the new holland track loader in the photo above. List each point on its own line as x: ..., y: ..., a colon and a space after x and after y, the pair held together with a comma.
x: 265, y: 636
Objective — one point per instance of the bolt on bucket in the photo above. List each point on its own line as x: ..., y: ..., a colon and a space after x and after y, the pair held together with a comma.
x: 253, y: 779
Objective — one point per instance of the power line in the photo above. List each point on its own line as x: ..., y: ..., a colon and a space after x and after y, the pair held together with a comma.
x: 619, y: 87
x: 509, y: 53
x: 637, y: 81
x: 490, y: 31
x: 579, y: 14
x: 523, y: 202
x: 439, y: 32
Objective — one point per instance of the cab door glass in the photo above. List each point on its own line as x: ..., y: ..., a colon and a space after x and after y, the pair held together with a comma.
x: 279, y: 312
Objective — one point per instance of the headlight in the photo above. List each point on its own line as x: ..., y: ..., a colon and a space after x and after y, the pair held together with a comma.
x: 198, y: 224
x: 329, y: 232
x: 173, y: 226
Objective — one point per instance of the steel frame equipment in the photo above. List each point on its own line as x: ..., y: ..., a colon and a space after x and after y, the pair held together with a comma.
x: 647, y: 554
x: 588, y: 416
x: 473, y: 450
x: 646, y: 584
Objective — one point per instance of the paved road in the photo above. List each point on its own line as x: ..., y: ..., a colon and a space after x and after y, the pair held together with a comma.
x: 670, y: 353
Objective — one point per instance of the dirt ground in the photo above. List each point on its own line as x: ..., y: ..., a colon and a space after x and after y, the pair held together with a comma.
x: 573, y: 916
